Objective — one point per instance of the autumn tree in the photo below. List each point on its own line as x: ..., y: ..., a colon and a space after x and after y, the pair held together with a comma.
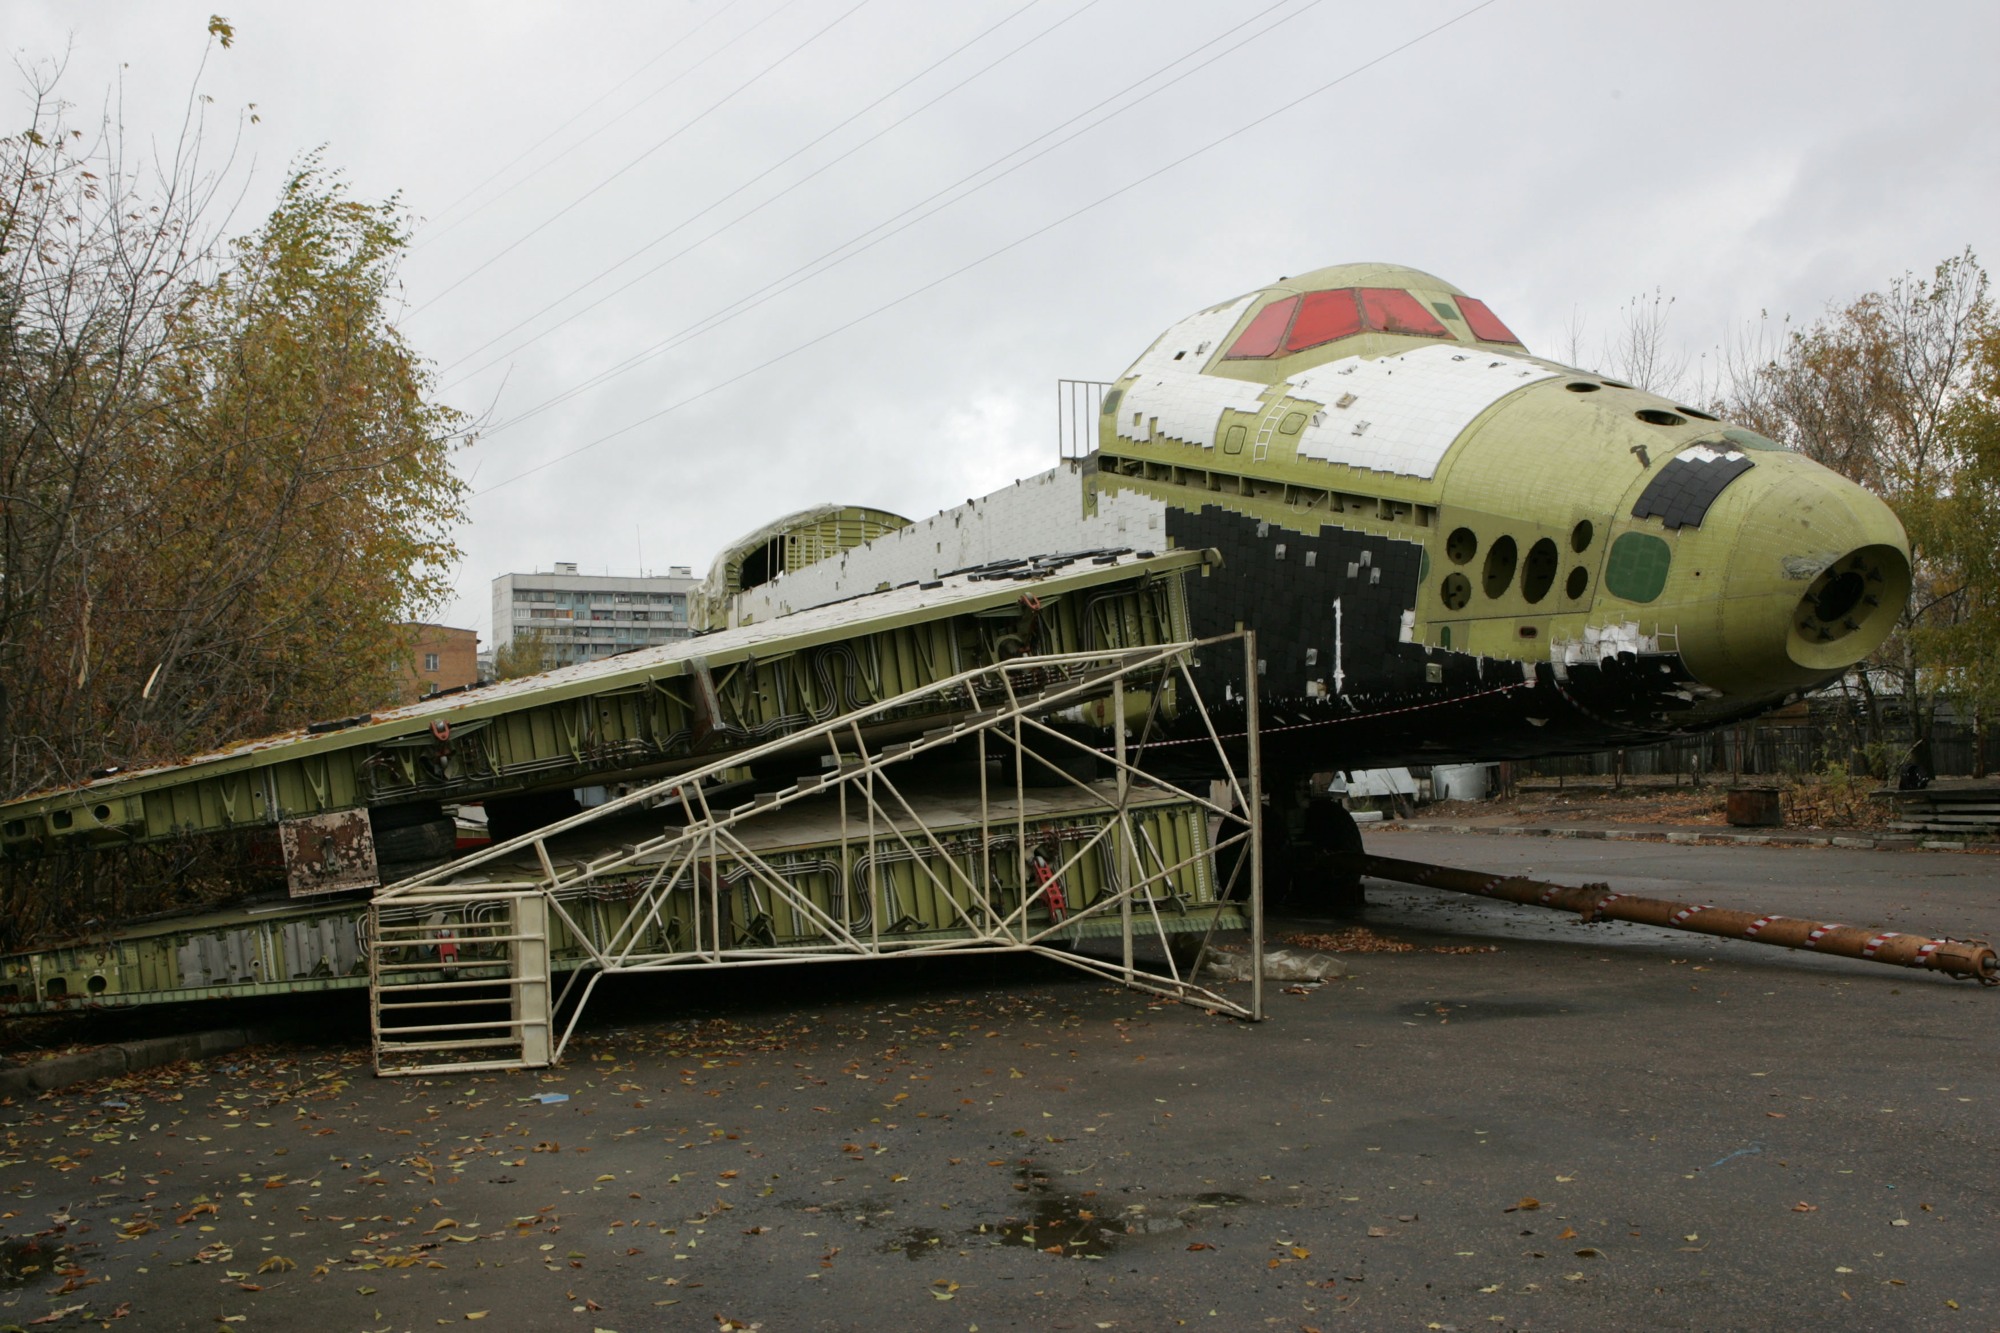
x: 527, y: 653
x: 224, y: 476
x: 1885, y: 390
x: 1962, y: 526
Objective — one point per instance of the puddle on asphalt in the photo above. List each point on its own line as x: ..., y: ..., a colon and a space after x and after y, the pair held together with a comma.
x: 30, y: 1259
x: 1078, y: 1227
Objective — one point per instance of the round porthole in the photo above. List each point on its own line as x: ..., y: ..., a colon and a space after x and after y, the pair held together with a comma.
x: 1581, y: 535
x: 1501, y: 557
x: 1654, y: 416
x: 1456, y: 590
x: 1582, y: 386
x: 1538, y: 574
x: 1579, y: 583
x: 1462, y: 545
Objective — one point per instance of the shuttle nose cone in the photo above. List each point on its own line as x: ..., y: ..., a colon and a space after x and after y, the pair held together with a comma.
x: 1818, y: 571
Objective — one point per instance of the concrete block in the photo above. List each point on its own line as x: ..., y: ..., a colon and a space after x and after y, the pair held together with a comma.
x: 1864, y: 843
x: 81, y: 1067
x: 221, y: 1039
x: 1683, y: 835
x: 151, y: 1051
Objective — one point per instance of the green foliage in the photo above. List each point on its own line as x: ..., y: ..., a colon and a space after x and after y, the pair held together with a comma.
x: 1831, y: 797
x: 1961, y: 527
x: 528, y: 653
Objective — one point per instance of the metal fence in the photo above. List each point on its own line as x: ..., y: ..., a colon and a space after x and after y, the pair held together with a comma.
x: 1773, y: 747
x: 1078, y: 405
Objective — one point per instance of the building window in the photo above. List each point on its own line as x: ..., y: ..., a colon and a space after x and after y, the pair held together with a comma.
x: 431, y: 664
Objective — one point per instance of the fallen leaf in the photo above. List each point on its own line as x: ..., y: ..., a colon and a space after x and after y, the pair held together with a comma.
x: 1526, y: 1205
x: 1301, y: 1252
x: 1200, y: 1245
x: 1803, y: 1207
x: 1568, y: 1233
x: 1588, y: 1253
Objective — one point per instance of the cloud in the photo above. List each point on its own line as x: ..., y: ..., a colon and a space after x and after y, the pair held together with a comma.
x: 1554, y: 159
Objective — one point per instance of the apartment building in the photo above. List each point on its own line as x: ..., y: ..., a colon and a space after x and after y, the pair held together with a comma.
x: 436, y: 657
x: 583, y: 617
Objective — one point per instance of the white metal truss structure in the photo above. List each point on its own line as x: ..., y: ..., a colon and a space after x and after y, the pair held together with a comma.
x: 478, y: 993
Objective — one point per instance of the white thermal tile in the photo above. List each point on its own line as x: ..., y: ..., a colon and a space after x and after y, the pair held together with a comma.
x: 1416, y: 403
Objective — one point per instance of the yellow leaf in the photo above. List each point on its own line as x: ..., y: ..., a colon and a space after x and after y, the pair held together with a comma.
x: 1301, y: 1252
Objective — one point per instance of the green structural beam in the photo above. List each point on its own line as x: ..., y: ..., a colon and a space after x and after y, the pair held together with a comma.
x: 643, y: 714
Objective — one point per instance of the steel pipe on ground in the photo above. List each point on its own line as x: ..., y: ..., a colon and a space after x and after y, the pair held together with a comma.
x: 1974, y: 959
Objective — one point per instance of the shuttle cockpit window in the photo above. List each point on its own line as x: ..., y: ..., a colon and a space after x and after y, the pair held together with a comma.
x: 1485, y: 325
x: 1300, y: 323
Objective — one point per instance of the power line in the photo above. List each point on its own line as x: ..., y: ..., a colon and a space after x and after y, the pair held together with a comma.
x: 713, y: 107
x: 683, y: 223
x: 859, y: 243
x: 601, y: 98
x: 991, y: 255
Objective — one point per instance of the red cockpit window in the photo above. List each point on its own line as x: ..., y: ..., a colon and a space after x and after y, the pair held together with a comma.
x: 1324, y: 317
x: 1265, y: 332
x: 1485, y: 325
x: 1392, y: 310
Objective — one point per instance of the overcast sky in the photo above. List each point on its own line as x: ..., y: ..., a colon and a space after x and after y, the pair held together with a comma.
x: 599, y: 182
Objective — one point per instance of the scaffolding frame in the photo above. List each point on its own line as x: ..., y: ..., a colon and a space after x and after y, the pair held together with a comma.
x: 427, y: 1012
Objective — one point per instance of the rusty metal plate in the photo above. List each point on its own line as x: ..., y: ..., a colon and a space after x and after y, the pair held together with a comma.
x: 328, y: 853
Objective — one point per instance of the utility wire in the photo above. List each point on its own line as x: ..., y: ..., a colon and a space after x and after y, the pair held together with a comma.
x: 1012, y: 245
x: 685, y: 222
x: 713, y: 107
x: 860, y: 243
x: 603, y: 97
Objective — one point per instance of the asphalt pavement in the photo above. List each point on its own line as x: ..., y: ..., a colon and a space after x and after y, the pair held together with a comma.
x: 1566, y: 1127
